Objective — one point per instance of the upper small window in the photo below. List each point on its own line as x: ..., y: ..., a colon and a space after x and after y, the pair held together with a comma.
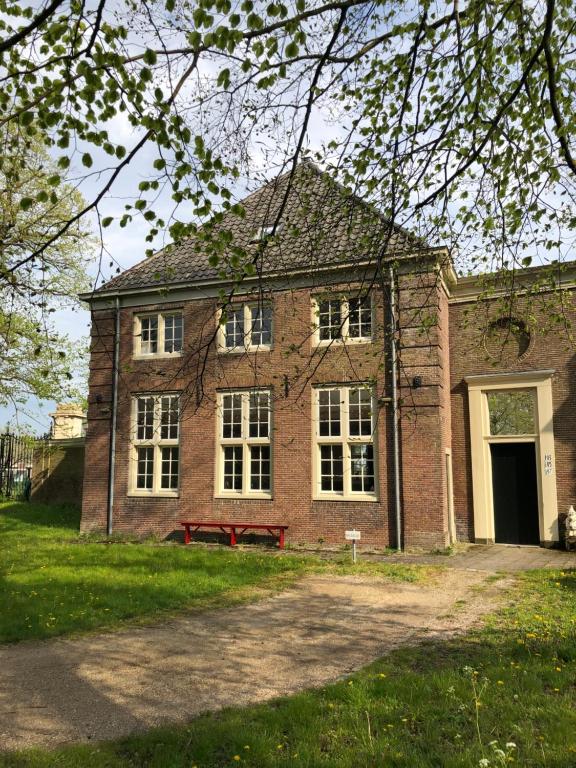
x: 512, y: 412
x: 342, y: 319
x: 261, y: 234
x: 246, y: 327
x: 158, y: 335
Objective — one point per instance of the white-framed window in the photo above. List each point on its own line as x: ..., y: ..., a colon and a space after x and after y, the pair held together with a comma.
x: 261, y: 234
x: 338, y: 319
x: 344, y: 445
x: 245, y: 327
x: 244, y: 465
x: 159, y: 334
x: 155, y: 445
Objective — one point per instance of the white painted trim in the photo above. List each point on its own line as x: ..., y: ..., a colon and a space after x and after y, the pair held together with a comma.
x: 157, y: 443
x: 508, y: 380
x: 480, y: 441
x: 246, y: 443
x: 247, y: 308
x: 468, y: 289
x: 450, y: 496
x: 345, y: 338
x: 137, y: 354
x: 345, y: 441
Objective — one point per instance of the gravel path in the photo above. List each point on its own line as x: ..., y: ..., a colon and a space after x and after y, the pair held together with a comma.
x: 105, y: 686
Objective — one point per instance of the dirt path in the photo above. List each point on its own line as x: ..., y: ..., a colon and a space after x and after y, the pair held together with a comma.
x: 106, y: 686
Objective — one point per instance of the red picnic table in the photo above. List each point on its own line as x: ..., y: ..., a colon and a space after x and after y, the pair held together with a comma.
x: 233, y: 529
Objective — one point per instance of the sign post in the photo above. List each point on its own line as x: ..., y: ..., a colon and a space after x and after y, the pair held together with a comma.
x: 352, y: 536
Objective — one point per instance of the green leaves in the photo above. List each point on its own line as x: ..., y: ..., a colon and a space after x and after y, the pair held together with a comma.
x: 150, y: 57
x: 223, y: 80
x: 446, y: 128
x: 291, y: 50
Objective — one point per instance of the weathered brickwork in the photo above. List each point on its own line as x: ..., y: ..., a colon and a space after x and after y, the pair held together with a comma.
x: 290, y: 370
x: 330, y: 241
x: 550, y: 348
x: 441, y: 340
x: 57, y: 472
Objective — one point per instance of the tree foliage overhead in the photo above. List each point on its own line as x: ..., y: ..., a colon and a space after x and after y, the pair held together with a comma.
x: 454, y: 118
x: 34, y: 358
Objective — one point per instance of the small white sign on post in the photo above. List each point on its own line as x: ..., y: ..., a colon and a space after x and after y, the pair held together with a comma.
x: 352, y: 536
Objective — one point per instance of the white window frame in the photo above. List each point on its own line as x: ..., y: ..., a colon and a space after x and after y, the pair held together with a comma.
x: 245, y: 442
x: 247, y: 309
x: 157, y: 443
x: 161, y: 317
x: 345, y: 337
x: 346, y: 441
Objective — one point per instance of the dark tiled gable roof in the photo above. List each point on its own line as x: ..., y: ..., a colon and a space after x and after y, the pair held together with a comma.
x: 322, y: 225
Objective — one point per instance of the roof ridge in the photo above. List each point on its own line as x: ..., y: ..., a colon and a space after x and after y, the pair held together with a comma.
x: 276, y: 179
x: 312, y: 186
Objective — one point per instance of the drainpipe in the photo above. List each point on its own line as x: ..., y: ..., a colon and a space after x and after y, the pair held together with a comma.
x: 112, y: 457
x: 395, y: 425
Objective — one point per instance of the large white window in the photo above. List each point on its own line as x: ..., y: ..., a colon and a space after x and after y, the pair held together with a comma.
x: 155, y: 445
x: 344, y: 452
x: 246, y: 327
x: 158, y: 335
x: 341, y: 318
x: 244, y: 449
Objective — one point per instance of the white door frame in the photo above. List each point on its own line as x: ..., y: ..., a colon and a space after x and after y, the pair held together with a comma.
x: 480, y: 440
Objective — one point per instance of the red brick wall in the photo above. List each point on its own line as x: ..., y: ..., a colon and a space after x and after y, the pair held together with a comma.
x: 198, y: 375
x: 550, y: 348
x: 425, y: 417
x: 97, y: 446
x: 425, y: 430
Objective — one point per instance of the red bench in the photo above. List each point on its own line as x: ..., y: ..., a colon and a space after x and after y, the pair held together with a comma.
x: 233, y: 529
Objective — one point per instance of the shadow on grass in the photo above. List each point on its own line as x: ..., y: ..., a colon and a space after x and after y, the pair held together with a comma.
x: 438, y: 704
x: 16, y: 514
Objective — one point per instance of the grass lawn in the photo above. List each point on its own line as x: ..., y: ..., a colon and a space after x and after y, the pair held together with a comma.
x: 504, y: 695
x: 53, y: 583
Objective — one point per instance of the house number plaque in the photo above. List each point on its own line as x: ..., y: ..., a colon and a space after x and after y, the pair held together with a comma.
x: 547, y: 464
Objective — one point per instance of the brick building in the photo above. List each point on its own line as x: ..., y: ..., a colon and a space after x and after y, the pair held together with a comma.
x: 329, y: 388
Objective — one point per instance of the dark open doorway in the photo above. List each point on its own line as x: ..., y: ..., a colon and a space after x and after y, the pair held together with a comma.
x: 515, y: 493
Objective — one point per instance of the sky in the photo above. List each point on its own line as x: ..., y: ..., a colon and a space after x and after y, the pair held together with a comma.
x: 123, y: 247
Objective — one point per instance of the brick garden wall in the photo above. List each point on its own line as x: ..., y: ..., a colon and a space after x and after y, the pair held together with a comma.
x: 57, y: 472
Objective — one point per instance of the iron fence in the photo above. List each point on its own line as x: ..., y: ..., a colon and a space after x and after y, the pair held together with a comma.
x: 16, y: 459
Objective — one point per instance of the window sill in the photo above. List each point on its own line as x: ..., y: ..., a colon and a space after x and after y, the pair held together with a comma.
x: 244, y: 496
x: 158, y: 356
x: 339, y: 497
x: 244, y: 350
x: 154, y: 494
x: 341, y: 342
